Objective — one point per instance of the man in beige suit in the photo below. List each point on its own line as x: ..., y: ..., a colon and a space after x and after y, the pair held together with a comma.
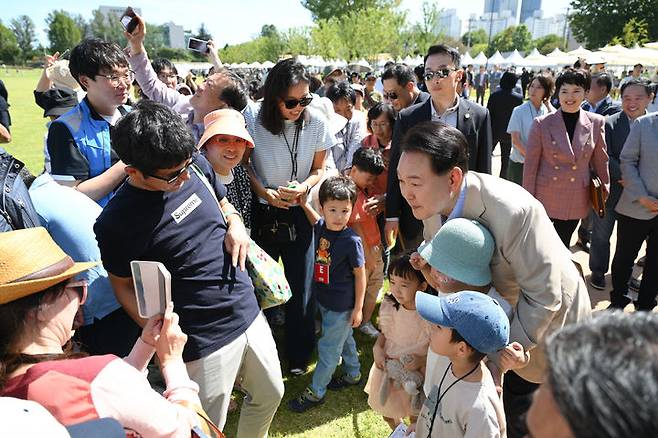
x: 531, y: 268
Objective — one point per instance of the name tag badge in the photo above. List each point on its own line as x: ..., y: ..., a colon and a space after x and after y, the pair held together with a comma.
x: 321, y: 273
x: 187, y: 207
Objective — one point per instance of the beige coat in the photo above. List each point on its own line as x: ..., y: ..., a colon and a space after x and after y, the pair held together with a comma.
x: 531, y: 268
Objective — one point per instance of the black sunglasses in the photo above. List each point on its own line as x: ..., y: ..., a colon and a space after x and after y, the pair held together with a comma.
x: 439, y: 74
x: 174, y: 177
x: 292, y: 103
x: 391, y: 96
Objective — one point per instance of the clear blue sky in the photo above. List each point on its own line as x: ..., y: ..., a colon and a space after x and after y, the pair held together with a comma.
x: 229, y: 21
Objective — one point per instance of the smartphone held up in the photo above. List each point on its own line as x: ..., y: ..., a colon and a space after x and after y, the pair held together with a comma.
x: 129, y: 20
x: 197, y: 45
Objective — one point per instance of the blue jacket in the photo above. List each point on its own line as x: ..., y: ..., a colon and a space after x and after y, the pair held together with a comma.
x: 92, y: 138
x: 16, y: 209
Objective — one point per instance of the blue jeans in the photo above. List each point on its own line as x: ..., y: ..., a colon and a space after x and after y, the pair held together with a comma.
x: 599, y: 253
x: 336, y: 341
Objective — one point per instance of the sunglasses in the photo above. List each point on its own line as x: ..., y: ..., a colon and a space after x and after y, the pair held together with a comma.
x: 391, y: 96
x: 174, y: 177
x: 439, y: 74
x: 292, y: 103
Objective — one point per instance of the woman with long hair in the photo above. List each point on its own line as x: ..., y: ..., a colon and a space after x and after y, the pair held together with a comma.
x: 288, y: 160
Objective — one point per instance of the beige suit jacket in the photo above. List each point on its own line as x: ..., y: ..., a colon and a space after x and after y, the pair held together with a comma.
x: 531, y: 268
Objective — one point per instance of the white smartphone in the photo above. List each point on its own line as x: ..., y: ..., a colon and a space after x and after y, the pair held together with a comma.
x: 197, y: 45
x: 152, y: 287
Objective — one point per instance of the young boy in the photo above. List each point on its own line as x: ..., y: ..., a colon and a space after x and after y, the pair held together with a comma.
x: 339, y: 284
x: 367, y: 165
x: 81, y: 154
x: 466, y: 327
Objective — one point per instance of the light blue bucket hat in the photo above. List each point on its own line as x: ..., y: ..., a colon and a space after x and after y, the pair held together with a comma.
x: 462, y: 250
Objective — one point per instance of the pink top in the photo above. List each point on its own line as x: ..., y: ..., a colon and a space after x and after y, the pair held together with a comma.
x: 77, y: 390
x: 405, y: 331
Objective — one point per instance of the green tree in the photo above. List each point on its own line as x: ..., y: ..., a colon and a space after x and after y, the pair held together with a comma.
x: 203, y: 33
x: 63, y: 32
x: 298, y: 41
x: 595, y: 21
x: 173, y: 54
x: 25, y: 33
x: 426, y: 32
x: 9, y: 49
x: 157, y: 37
x: 272, y: 44
x: 548, y: 43
x: 328, y: 9
x: 478, y: 36
x: 107, y: 27
x: 635, y: 32
x: 521, y: 39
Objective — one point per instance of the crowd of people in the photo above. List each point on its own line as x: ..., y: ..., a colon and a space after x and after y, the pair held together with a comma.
x: 486, y: 329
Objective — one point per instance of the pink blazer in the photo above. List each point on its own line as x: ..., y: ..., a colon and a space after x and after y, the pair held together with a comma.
x: 557, y: 172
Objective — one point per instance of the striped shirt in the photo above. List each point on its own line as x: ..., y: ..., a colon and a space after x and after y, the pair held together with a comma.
x: 271, y: 156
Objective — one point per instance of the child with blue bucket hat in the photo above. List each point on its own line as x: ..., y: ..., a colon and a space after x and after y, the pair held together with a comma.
x: 458, y: 259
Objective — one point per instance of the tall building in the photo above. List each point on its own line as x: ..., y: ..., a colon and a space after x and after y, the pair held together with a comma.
x: 175, y: 35
x: 493, y: 22
x: 528, y: 8
x: 116, y: 11
x: 500, y: 6
x: 449, y: 24
x: 540, y: 27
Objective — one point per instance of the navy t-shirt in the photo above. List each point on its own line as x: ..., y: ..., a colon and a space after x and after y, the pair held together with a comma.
x: 344, y: 252
x: 185, y: 231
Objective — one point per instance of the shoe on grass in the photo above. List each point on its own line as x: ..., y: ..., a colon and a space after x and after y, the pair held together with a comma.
x: 597, y: 280
x: 298, y: 371
x: 369, y: 330
x: 339, y: 382
x: 305, y: 401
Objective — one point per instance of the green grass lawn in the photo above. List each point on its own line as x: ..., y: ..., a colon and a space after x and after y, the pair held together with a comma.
x: 28, y: 124
x: 344, y: 414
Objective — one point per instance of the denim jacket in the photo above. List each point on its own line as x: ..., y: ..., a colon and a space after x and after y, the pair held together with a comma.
x: 16, y: 209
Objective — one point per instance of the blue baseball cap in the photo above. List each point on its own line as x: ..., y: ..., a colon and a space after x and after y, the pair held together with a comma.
x: 477, y: 317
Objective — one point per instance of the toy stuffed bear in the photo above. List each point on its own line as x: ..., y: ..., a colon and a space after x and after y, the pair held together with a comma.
x: 410, y: 381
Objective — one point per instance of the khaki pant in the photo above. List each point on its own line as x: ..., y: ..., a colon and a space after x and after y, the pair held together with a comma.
x: 374, y: 283
x: 252, y: 358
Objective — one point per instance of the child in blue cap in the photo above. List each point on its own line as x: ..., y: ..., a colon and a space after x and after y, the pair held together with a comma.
x: 458, y: 259
x: 466, y: 326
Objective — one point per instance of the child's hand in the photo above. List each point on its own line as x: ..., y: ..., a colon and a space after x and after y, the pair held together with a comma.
x: 410, y: 428
x: 379, y: 356
x: 357, y: 316
x: 417, y: 261
x: 415, y: 363
x: 514, y: 357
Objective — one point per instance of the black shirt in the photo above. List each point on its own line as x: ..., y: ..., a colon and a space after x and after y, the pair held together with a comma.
x: 570, y: 120
x: 185, y: 231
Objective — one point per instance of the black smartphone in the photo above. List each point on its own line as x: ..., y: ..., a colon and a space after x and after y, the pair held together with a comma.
x: 129, y: 20
x: 197, y: 45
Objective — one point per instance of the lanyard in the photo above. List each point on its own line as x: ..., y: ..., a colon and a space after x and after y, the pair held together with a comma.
x: 438, y: 401
x: 293, y: 152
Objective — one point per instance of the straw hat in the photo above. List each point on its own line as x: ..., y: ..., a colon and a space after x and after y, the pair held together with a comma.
x: 225, y: 121
x: 30, y: 262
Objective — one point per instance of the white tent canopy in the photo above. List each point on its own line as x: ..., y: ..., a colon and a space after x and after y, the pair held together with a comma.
x: 580, y: 52
x: 480, y: 59
x: 268, y: 64
x: 496, y: 59
x: 514, y: 59
x: 536, y: 59
x: 558, y: 57
x: 467, y: 59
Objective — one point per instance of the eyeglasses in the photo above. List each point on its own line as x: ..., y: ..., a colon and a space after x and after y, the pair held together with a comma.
x: 292, y: 103
x: 127, y: 79
x: 439, y: 74
x: 174, y: 177
x: 390, y: 95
